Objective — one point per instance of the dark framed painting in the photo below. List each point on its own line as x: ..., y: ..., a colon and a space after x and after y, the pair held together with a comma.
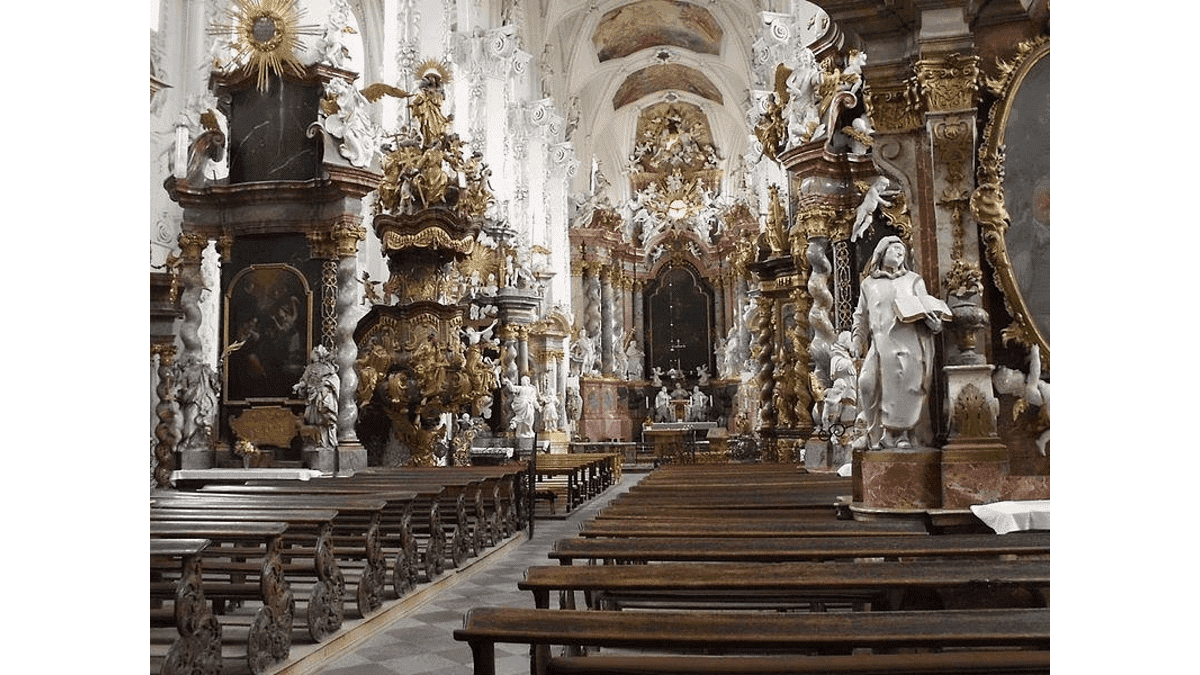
x: 1012, y: 203
x: 268, y: 330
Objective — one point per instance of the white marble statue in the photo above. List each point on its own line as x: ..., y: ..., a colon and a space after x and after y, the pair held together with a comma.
x: 1030, y: 390
x: 524, y: 397
x: 549, y: 402
x: 663, y: 410
x: 702, y: 374
x: 319, y: 385
x: 583, y: 350
x: 574, y: 404
x: 352, y: 123
x: 872, y: 200
x: 697, y: 405
x: 720, y: 353
x: 331, y: 46
x: 841, y: 397
x: 620, y: 362
x: 635, y: 367
x: 894, y: 324
x: 197, y: 394
x: 803, y: 108
x: 656, y: 374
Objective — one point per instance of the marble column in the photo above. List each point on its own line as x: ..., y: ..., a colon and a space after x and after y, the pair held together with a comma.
x: 639, y: 313
x: 166, y: 432
x: 562, y: 369
x: 508, y: 367
x: 593, y: 319
x: 198, y: 453
x: 607, y: 322
x: 352, y: 456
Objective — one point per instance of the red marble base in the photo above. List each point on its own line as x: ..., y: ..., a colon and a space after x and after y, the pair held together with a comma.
x: 603, y: 417
x: 902, y: 479
x: 973, y: 473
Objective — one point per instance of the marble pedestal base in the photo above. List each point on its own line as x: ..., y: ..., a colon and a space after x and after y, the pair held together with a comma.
x: 345, y: 460
x: 204, y: 458
x: 973, y: 473
x: 603, y: 416
x: 825, y: 455
x: 902, y: 479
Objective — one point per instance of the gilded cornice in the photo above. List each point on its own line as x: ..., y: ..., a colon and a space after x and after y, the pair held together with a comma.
x: 430, y: 237
x: 949, y: 83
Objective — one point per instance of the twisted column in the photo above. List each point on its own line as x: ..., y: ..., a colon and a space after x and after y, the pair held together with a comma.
x: 166, y: 432
x: 348, y: 306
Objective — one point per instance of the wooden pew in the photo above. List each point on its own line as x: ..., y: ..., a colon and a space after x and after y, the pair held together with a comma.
x: 747, y: 529
x: 195, y: 646
x: 747, y: 632
x: 783, y: 586
x: 797, y: 549
x: 356, y: 538
x: 974, y: 662
x: 243, y: 564
x: 306, y: 557
x: 429, y: 540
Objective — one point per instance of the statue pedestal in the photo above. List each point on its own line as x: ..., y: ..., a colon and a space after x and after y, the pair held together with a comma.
x: 902, y: 479
x: 603, y: 416
x: 973, y: 473
x: 352, y: 458
x: 346, y: 459
x: 201, y: 458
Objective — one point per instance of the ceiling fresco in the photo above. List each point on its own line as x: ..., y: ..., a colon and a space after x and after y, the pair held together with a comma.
x: 666, y: 76
x: 652, y: 23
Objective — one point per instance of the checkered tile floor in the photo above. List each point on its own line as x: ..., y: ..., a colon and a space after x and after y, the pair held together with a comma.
x: 422, y: 642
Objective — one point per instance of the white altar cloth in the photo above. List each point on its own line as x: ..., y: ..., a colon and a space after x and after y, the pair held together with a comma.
x: 1014, y: 516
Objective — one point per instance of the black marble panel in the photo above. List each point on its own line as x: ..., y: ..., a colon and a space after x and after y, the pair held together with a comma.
x: 679, y: 320
x: 267, y: 132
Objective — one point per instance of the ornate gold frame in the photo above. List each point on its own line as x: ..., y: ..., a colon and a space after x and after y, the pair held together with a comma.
x: 987, y: 201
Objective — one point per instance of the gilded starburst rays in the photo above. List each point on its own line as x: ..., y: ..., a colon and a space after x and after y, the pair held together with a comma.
x: 265, y: 35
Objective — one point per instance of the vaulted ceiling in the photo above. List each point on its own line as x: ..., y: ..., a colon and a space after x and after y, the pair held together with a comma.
x: 618, y: 58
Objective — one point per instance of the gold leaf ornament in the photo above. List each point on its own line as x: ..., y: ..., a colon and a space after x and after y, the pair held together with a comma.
x: 266, y: 36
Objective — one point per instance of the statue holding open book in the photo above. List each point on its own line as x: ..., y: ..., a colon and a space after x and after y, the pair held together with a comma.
x: 894, y: 324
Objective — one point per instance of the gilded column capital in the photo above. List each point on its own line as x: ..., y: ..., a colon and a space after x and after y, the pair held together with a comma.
x: 191, y: 246
x: 166, y: 352
x: 225, y: 246
x: 346, y: 235
x: 949, y: 82
x: 321, y: 245
x: 813, y: 221
x: 521, y: 332
x: 506, y: 332
x: 895, y: 109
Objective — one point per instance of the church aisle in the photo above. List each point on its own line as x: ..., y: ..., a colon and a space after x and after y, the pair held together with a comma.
x: 421, y: 643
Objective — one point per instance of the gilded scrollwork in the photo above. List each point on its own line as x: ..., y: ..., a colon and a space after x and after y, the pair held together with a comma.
x: 988, y: 203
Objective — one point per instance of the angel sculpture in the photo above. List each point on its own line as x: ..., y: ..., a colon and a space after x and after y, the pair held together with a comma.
x: 872, y: 199
x: 1030, y: 390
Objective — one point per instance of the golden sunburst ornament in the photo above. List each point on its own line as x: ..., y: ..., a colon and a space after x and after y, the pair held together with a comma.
x: 266, y: 35
x: 440, y: 71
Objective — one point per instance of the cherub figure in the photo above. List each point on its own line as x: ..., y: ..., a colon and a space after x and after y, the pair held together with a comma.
x: 872, y: 199
x: 1030, y: 390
